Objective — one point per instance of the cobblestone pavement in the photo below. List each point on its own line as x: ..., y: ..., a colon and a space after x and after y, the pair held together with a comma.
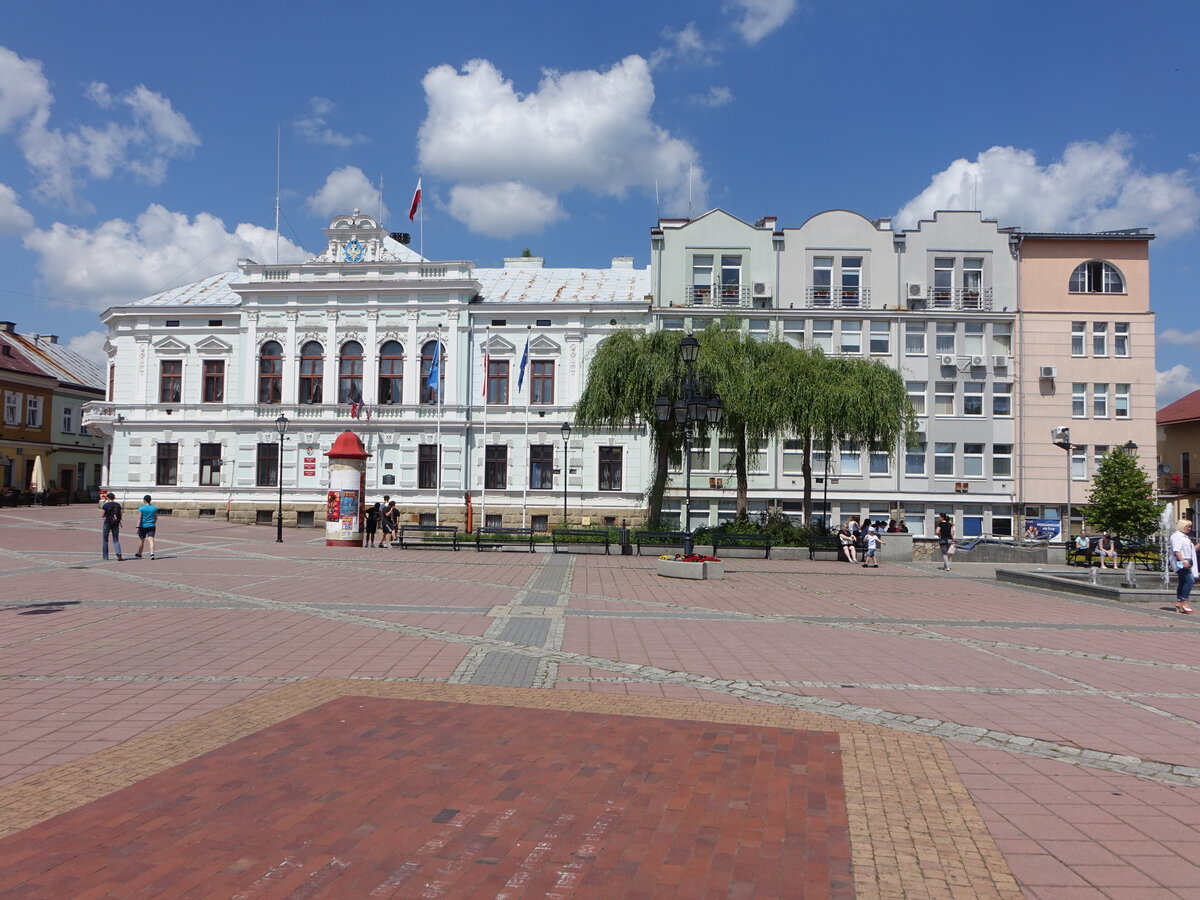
x: 244, y: 718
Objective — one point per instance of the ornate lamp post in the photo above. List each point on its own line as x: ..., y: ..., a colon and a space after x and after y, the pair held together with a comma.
x: 1062, y: 438
x: 281, y: 425
x: 696, y: 402
x: 566, y: 433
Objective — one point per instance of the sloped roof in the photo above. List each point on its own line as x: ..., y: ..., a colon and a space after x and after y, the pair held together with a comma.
x: 535, y: 285
x: 1185, y: 409
x: 13, y: 357
x: 59, y: 361
x: 211, y: 291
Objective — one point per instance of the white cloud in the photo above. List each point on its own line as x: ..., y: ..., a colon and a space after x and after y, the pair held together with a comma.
x: 13, y: 218
x: 315, y: 129
x: 91, y: 346
x: 1094, y: 187
x: 761, y: 17
x: 120, y: 261
x: 504, y: 209
x: 344, y: 190
x: 716, y: 97
x: 686, y: 46
x: 23, y: 89
x: 1173, y: 337
x: 1174, y: 383
x: 586, y: 129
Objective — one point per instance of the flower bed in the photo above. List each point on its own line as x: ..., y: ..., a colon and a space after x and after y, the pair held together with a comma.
x: 696, y: 567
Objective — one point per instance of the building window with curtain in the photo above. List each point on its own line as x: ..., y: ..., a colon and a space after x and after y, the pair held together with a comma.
x: 312, y: 373
x: 166, y: 464
x: 430, y: 393
x: 210, y: 465
x: 391, y: 373
x: 427, y: 466
x: 495, y: 467
x: 497, y: 382
x: 350, y: 372
x: 541, y: 467
x: 610, y: 468
x: 541, y: 381
x: 214, y: 381
x: 270, y: 373
x: 266, y: 469
x: 170, y: 381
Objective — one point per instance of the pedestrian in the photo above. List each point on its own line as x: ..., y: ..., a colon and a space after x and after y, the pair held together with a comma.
x: 110, y: 514
x: 873, y: 544
x: 147, y: 525
x: 945, y: 536
x: 372, y: 523
x: 847, y: 541
x: 1183, y: 554
x: 387, y: 521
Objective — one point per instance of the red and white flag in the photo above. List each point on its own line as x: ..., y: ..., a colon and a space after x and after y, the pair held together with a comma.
x: 354, y: 409
x: 416, y: 201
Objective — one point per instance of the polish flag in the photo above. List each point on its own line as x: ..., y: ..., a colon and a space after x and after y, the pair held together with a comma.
x: 416, y: 201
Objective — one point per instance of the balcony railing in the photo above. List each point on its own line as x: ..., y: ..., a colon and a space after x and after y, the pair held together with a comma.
x: 820, y: 297
x: 103, y: 415
x: 1188, y: 483
x: 721, y: 296
x: 963, y: 299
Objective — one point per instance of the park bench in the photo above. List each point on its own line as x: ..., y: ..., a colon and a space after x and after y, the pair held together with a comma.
x: 1075, y: 555
x: 663, y: 540
x: 731, y: 540
x: 443, y: 536
x: 498, y: 538
x: 574, y: 540
x: 824, y: 543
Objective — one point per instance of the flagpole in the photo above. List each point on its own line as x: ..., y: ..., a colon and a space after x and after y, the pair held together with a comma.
x: 483, y: 494
x: 528, y: 462
x: 437, y: 482
x: 421, y: 210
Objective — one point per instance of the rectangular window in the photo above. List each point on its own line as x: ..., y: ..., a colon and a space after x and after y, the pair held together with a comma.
x: 1121, y: 401
x: 702, y: 455
x: 851, y: 341
x: 1100, y: 400
x: 822, y: 334
x: 914, y: 519
x: 822, y: 280
x: 972, y: 282
x: 1002, y: 399
x: 851, y: 279
x: 914, y: 459
x: 972, y: 460
x: 1078, y: 462
x: 973, y: 339
x: 914, y: 338
x: 214, y: 381
x: 1078, y: 333
x: 943, y: 458
x: 1002, y: 460
x: 973, y: 398
x: 1098, y: 453
x: 1099, y: 339
x: 945, y: 340
x: 33, y: 411
x: 881, y: 337
x: 702, y: 271
x: 497, y: 382
x: 12, y: 408
x: 731, y: 279
x: 266, y: 465
x: 850, y: 459
x: 170, y: 381
x: 760, y: 329
x: 495, y: 467
x: 166, y: 464
x: 943, y: 282
x: 1078, y: 400
x: 916, y: 395
x: 820, y: 458
x: 1002, y: 338
x: 880, y: 461
x: 1121, y: 339
x: 541, y: 385
x: 610, y: 468
x: 68, y: 420
x: 210, y: 465
x: 793, y: 457
x: 541, y: 467
x: 943, y: 398
x: 672, y: 324
x: 539, y: 523
x: 793, y: 331
x: 428, y: 459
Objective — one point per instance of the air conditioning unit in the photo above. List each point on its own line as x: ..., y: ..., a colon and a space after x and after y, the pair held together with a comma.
x: 948, y: 359
x: 916, y: 290
x: 1048, y: 372
x: 977, y: 360
x: 762, y: 289
x: 1000, y: 362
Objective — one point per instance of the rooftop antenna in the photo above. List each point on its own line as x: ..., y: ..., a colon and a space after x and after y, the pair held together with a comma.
x: 689, y: 190
x: 278, y: 131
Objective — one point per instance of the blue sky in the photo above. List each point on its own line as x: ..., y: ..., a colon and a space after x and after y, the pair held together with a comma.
x: 137, y: 147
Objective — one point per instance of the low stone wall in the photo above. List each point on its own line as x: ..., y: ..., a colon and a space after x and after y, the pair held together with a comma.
x: 927, y: 550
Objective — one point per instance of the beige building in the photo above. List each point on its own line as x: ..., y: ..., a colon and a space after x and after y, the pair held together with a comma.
x: 1178, y: 451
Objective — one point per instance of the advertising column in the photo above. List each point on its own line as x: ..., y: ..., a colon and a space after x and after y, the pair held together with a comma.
x: 347, y: 485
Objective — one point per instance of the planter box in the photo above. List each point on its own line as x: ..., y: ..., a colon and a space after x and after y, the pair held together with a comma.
x: 698, y: 571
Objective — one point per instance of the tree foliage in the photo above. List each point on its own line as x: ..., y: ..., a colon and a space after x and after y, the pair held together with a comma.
x: 1121, y: 501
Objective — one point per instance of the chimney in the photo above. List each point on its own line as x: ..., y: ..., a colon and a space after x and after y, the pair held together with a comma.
x: 10, y: 327
x: 622, y: 262
x: 523, y: 262
x: 51, y: 338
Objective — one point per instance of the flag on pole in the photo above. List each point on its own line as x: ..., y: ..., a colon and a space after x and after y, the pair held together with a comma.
x: 354, y: 409
x: 524, y: 362
x: 416, y: 201
x: 366, y: 411
x: 435, y: 368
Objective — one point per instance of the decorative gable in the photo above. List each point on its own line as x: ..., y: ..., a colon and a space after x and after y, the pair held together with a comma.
x: 498, y: 346
x: 171, y: 346
x: 214, y: 346
x: 543, y: 346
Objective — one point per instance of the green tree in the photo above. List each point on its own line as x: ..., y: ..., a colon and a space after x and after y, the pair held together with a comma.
x: 1121, y: 501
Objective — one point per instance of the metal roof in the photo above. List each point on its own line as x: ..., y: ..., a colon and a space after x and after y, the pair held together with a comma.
x: 534, y: 285
x: 211, y: 291
x: 61, y: 362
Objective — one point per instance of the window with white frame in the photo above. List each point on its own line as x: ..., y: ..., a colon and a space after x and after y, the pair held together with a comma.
x: 916, y: 395
x: 760, y: 329
x: 702, y: 272
x: 1099, y: 339
x: 973, y: 398
x: 1120, y: 339
x: 1078, y: 334
x: 851, y: 279
x: 731, y: 278
x: 33, y: 412
x: 793, y: 457
x: 880, y: 461
x: 1002, y: 399
x: 851, y: 339
x: 1121, y: 401
x: 1002, y: 459
x: 972, y: 460
x: 68, y: 420
x: 914, y: 519
x: 881, y: 337
x: 820, y: 458
x: 1078, y: 400
x: 756, y: 456
x: 698, y: 324
x: 914, y: 459
x: 822, y: 280
x: 1078, y: 462
x: 1098, y: 453
x: 701, y: 456
x: 1002, y: 521
x: 1100, y: 400
x: 943, y: 398
x: 1002, y: 338
x: 972, y: 282
x: 12, y: 408
x: 972, y: 520
x: 822, y: 334
x: 944, y: 340
x: 850, y: 459
x: 943, y: 282
x: 1096, y: 277
x: 793, y: 331
x: 672, y: 324
x: 914, y: 338
x: 973, y: 338
x: 943, y: 458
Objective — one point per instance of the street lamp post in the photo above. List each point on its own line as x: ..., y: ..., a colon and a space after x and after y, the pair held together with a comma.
x: 696, y: 402
x: 566, y: 433
x: 281, y: 425
x: 1062, y: 438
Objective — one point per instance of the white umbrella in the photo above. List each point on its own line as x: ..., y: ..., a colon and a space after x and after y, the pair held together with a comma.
x: 38, y: 481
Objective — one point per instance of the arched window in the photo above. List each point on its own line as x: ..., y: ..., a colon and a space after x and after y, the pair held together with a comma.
x: 431, y: 392
x: 270, y: 373
x: 391, y: 373
x: 1097, y: 277
x: 350, y: 371
x: 312, y: 372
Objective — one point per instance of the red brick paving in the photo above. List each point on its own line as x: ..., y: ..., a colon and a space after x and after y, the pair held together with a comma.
x: 390, y: 798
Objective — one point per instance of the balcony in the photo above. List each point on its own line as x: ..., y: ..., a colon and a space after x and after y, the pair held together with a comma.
x: 720, y: 297
x: 822, y: 297
x: 1175, y: 485
x: 959, y: 299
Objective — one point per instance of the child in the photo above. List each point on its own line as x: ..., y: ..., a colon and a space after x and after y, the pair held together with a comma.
x: 873, y: 544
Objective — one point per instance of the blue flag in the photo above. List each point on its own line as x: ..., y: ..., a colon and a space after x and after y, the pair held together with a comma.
x: 435, y: 368
x: 524, y: 362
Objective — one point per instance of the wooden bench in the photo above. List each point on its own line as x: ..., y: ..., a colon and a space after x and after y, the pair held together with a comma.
x: 737, y: 541
x: 1075, y: 555
x: 495, y: 538
x: 661, y: 539
x: 825, y: 543
x: 570, y: 540
x: 443, y: 536
x: 1143, y: 554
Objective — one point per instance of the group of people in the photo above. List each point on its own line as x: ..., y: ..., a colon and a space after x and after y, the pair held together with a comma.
x: 1106, y: 548
x: 850, y: 534
x: 110, y: 517
x: 381, y: 517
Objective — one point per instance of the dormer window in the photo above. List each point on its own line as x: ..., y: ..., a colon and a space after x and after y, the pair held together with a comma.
x: 1097, y: 277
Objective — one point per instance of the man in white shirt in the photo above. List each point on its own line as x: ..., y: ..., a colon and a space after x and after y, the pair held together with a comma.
x: 1183, y: 555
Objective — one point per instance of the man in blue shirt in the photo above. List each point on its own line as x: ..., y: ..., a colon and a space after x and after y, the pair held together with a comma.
x: 146, y: 526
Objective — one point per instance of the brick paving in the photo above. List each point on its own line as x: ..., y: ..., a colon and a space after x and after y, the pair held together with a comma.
x: 242, y: 718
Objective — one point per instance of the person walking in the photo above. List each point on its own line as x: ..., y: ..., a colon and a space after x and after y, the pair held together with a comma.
x: 372, y: 524
x: 387, y: 520
x: 110, y: 515
x: 945, y: 536
x: 147, y: 525
x: 873, y: 544
x: 1183, y: 554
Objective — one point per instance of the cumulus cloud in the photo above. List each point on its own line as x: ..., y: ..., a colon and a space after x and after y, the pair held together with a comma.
x: 344, y: 190
x: 23, y: 89
x: 1093, y: 187
x: 716, y: 97
x: 1174, y: 383
x: 315, y: 129
x: 1175, y: 338
x: 13, y: 218
x: 588, y: 129
x: 91, y: 347
x: 120, y: 261
x: 760, y: 17
x: 504, y: 209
